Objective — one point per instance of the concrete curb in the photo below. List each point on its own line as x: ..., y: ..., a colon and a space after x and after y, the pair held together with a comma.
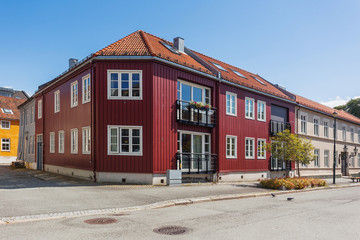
x: 157, y: 205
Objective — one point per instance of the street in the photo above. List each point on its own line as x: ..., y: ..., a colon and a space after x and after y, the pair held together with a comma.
x: 325, y: 214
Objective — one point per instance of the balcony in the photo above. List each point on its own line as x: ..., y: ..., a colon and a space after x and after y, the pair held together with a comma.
x: 196, y: 163
x: 276, y: 127
x: 189, y: 113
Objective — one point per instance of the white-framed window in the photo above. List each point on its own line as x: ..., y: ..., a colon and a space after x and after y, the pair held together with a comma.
x: 5, y: 124
x: 261, y: 110
x: 352, y: 159
x: 125, y: 140
x: 86, y: 140
x: 303, y: 123
x: 7, y: 111
x: 74, y: 140
x: 326, y: 158
x: 5, y: 144
x: 316, y: 126
x: 61, y: 141
x: 261, y: 152
x: 231, y: 103
x: 352, y: 135
x: 317, y: 157
x: 187, y: 91
x: 249, y: 108
x: 32, y: 114
x: 358, y: 160
x: 231, y: 146
x: 86, y: 89
x: 343, y: 129
x: 249, y: 148
x: 52, y: 142
x: 359, y: 137
x: 57, y: 101
x: 125, y: 84
x: 326, y: 129
x: 39, y: 109
x: 27, y: 117
x: 74, y: 94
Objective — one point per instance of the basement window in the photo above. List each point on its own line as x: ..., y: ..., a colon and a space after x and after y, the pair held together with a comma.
x: 257, y: 79
x: 218, y: 66
x: 239, y: 74
x: 6, y: 110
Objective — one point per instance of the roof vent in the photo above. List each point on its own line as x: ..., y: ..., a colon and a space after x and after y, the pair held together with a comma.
x: 179, y: 44
x: 73, y: 62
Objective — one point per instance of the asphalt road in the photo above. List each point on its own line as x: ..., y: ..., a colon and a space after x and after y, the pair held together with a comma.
x: 326, y: 214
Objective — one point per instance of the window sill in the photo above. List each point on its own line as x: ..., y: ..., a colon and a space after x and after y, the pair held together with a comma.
x: 232, y: 115
x: 228, y: 157
x: 126, y: 154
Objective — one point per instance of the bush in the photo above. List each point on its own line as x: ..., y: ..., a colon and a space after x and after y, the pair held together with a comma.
x: 292, y: 183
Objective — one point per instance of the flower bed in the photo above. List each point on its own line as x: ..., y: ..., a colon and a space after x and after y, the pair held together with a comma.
x: 292, y: 183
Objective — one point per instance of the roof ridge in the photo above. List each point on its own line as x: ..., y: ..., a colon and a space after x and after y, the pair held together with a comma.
x: 147, y: 43
x: 162, y: 39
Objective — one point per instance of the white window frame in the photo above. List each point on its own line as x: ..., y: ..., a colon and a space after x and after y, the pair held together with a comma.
x: 6, y: 141
x: 261, y: 142
x: 119, y: 151
x: 317, y: 160
x: 316, y: 125
x: 359, y: 137
x: 326, y: 128
x: 344, y: 132
x: 74, y: 142
x: 305, y: 115
x: 252, y: 101
x: 7, y: 122
x: 40, y: 109
x: 352, y: 134
x: 74, y: 94
x: 252, y: 156
x: 86, y: 140
x: 57, y: 101
x: 130, y: 72
x: 233, y: 139
x: 192, y: 85
x: 4, y: 110
x: 61, y: 142
x: 232, y: 105
x: 32, y: 120
x: 327, y: 153
x: 259, y: 118
x: 86, y: 92
x: 52, y: 142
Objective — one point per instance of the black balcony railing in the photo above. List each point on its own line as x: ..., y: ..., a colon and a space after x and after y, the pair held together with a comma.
x: 279, y: 164
x: 196, y: 162
x: 191, y: 114
x: 276, y: 127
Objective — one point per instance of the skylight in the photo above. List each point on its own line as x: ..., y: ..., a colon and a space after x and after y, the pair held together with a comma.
x: 171, y: 48
x: 218, y: 66
x: 259, y: 80
x: 5, y: 110
x: 237, y: 73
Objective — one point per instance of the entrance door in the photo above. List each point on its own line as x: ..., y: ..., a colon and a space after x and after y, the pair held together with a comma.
x: 39, y: 153
x: 344, y: 164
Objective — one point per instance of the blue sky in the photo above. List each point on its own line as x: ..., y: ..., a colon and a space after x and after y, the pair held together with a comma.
x: 310, y: 47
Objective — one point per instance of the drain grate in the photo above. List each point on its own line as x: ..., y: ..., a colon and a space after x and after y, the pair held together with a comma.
x: 100, y: 221
x: 171, y: 230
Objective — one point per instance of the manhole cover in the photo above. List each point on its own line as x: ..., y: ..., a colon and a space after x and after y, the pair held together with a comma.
x: 100, y: 221
x: 171, y: 230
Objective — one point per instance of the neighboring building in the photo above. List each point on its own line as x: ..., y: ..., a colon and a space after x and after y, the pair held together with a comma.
x: 127, y: 113
x: 9, y: 128
x: 26, y: 147
x: 8, y: 92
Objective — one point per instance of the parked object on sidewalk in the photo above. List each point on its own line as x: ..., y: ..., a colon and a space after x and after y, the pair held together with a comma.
x: 173, y: 177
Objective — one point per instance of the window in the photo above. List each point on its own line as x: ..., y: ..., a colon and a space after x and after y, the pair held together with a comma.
x: 32, y: 114
x: 326, y: 129
x: 237, y: 73
x: 7, y: 111
x: 359, y: 138
x: 57, y: 101
x: 61, y: 141
x: 303, y: 123
x: 316, y: 126
x: 249, y: 108
x: 5, y: 124
x: 352, y: 137
x: 86, y: 89
x: 316, y: 162
x: 52, y: 142
x: 33, y: 145
x: 358, y: 160
x: 74, y: 94
x: 261, y: 148
x: 192, y: 92
x: 39, y: 109
x: 30, y: 145
x: 352, y: 158
x: 336, y: 158
x: 86, y: 140
x: 74, y: 141
x: 257, y: 79
x: 249, y: 148
x: 5, y: 144
x: 231, y: 99
x: 125, y: 140
x: 27, y: 117
x: 231, y: 146
x: 326, y: 158
x: 344, y: 133
x: 124, y: 84
x: 218, y: 66
x: 171, y: 48
x: 261, y: 111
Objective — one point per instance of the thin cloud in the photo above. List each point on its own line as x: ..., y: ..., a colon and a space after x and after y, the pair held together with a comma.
x: 338, y: 101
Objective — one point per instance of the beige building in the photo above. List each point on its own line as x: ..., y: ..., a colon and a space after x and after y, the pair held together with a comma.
x: 315, y: 121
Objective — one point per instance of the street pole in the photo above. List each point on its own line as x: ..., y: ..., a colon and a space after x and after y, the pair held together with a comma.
x: 334, y: 164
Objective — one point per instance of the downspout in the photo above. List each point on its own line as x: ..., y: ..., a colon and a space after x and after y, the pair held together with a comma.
x: 92, y: 94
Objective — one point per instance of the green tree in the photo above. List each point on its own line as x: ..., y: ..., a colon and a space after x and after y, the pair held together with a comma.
x: 290, y: 147
x: 352, y: 107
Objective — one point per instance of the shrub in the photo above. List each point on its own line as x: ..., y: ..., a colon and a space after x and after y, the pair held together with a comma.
x: 292, y: 183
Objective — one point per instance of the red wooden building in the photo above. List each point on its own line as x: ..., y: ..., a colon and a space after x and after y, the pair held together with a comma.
x: 143, y: 105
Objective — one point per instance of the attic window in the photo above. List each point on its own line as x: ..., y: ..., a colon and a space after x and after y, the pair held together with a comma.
x: 171, y: 48
x: 8, y: 111
x: 218, y: 66
x: 258, y: 80
x: 237, y: 73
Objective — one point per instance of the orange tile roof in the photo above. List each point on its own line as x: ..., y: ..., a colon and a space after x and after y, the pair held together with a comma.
x: 322, y: 108
x: 12, y: 104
